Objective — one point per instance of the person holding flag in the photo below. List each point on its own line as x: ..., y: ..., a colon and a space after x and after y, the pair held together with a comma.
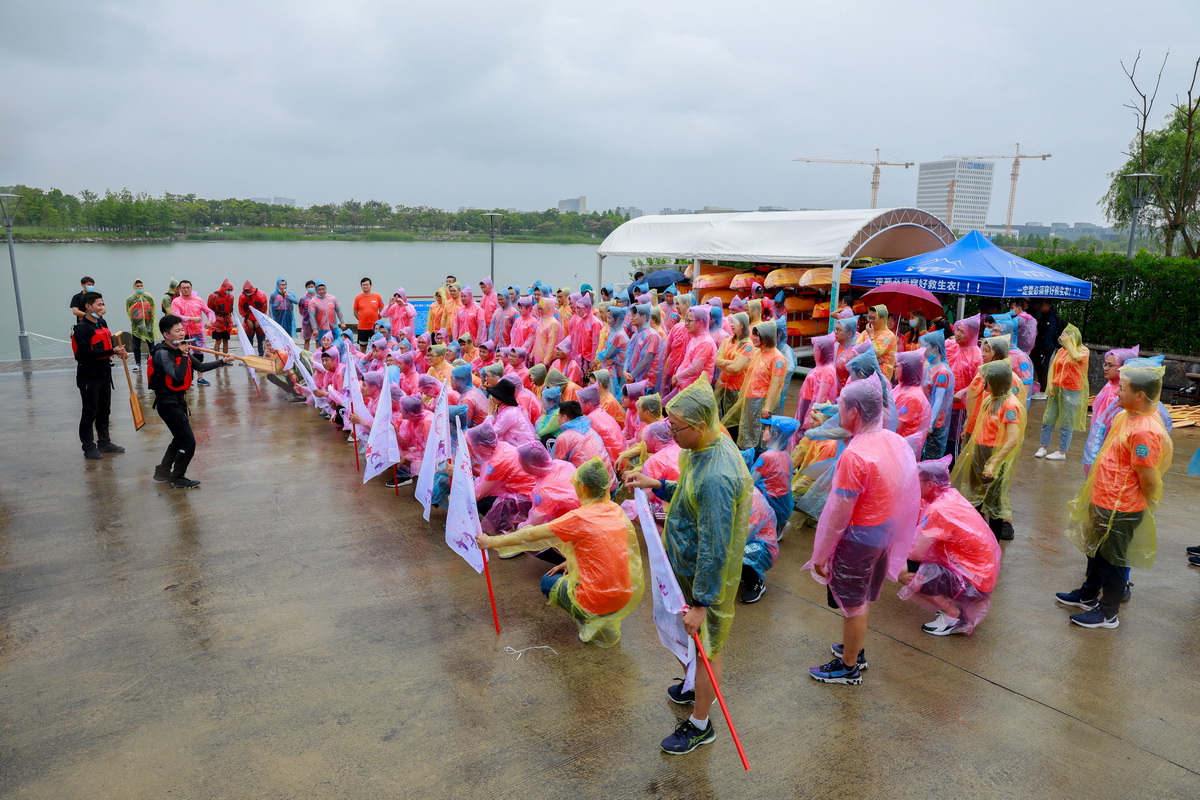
x: 600, y: 582
x: 705, y: 538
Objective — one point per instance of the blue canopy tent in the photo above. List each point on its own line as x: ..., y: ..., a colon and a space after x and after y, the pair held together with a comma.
x: 975, y: 266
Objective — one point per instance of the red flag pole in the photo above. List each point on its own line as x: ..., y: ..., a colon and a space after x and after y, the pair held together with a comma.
x: 492, y: 596
x: 712, y: 679
x: 354, y: 433
x: 396, y: 479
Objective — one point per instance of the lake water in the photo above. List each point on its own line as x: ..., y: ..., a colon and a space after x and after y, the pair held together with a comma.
x: 50, y: 273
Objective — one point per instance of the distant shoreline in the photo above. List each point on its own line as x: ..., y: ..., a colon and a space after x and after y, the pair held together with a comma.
x: 284, y: 235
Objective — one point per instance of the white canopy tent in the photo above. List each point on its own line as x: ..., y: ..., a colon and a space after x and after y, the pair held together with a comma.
x: 779, y: 237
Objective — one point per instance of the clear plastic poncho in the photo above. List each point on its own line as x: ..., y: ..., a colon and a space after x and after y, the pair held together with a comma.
x: 1000, y: 408
x: 872, y: 510
x: 709, y: 517
x: 1111, y: 517
x: 1068, y: 409
x: 762, y: 541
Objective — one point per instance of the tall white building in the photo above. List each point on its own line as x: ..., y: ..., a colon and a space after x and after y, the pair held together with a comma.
x: 971, y: 182
x: 576, y: 205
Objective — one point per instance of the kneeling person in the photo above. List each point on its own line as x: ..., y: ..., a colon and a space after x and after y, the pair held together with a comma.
x: 600, y: 582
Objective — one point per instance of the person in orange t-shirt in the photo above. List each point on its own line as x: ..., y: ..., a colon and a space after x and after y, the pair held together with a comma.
x: 1066, y: 396
x: 367, y: 307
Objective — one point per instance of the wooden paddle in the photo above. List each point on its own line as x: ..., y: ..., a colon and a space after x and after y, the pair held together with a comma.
x: 125, y: 339
x: 256, y: 363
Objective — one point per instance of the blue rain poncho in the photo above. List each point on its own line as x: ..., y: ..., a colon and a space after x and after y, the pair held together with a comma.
x: 863, y: 366
x: 709, y: 517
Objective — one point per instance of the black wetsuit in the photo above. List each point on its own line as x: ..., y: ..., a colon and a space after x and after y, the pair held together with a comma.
x: 171, y: 376
x: 93, y: 346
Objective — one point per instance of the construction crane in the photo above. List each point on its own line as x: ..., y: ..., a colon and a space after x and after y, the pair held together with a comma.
x: 950, y: 187
x: 874, y: 174
x: 1012, y: 192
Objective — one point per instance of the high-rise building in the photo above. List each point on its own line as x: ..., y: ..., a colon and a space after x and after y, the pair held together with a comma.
x: 573, y: 205
x: 956, y: 190
x: 633, y: 212
x: 283, y: 201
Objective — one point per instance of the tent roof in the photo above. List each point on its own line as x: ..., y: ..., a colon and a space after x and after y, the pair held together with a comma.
x: 781, y: 237
x: 975, y: 266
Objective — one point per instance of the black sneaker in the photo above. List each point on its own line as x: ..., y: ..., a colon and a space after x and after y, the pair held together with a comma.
x: 183, y: 483
x: 162, y: 474
x: 405, y: 480
x: 92, y: 455
x: 1194, y: 561
x: 1194, y: 551
x: 1006, y: 531
x: 676, y: 694
x: 109, y: 447
x: 836, y: 671
x: 687, y: 737
x: 1128, y: 592
x: 1094, y: 618
x: 1076, y: 600
x: 837, y: 648
x: 754, y: 591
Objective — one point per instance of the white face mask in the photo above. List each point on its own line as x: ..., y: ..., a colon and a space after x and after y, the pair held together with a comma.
x: 912, y: 323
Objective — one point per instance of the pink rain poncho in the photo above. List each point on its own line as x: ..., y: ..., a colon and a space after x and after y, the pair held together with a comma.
x: 602, y: 422
x: 566, y: 361
x: 548, y: 334
x: 663, y: 462
x: 1105, y: 406
x: 678, y: 340
x: 967, y: 357
x: 821, y: 384
x: 633, y: 420
x: 938, y: 385
x: 413, y: 431
x: 524, y: 327
x: 869, y: 521
x: 586, y: 330
x: 487, y: 300
x: 959, y: 555
x: 512, y: 422
x: 500, y: 477
x: 553, y: 495
x: 845, y: 331
x: 646, y: 351
x: 912, y: 406
x: 700, y: 356
x: 762, y: 540
x: 578, y: 443
x: 470, y: 319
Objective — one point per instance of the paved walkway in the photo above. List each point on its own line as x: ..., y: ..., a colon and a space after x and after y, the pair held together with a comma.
x: 286, y: 632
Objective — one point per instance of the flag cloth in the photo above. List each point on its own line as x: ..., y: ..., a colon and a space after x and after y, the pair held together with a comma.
x: 320, y: 402
x: 354, y: 395
x: 248, y: 350
x: 437, y: 450
x: 278, y: 337
x: 382, y: 449
x: 669, y: 604
x: 462, y: 516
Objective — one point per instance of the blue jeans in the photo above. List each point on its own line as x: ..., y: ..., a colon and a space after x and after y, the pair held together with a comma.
x: 548, y: 582
x: 1064, y: 437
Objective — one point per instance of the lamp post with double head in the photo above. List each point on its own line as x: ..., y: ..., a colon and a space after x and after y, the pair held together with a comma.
x: 8, y: 213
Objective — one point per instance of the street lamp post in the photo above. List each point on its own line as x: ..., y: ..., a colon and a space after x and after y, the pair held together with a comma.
x: 493, y: 217
x: 1138, y: 186
x: 8, y: 212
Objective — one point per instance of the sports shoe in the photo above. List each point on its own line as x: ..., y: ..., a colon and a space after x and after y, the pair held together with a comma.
x: 109, y: 447
x: 754, y: 591
x: 183, y: 483
x: 1094, y: 619
x: 203, y: 382
x: 949, y: 626
x: 1194, y: 551
x: 1057, y: 455
x: 1041, y: 453
x: 404, y: 481
x: 162, y: 474
x: 513, y: 554
x: 1039, y: 396
x: 836, y: 671
x: 1125, y: 598
x: 676, y: 694
x: 92, y: 455
x: 837, y: 648
x: 1194, y: 561
x: 135, y: 368
x: 687, y: 737
x: 1006, y: 531
x: 1075, y: 599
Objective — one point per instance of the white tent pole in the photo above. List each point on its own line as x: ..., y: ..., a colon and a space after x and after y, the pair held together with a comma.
x: 962, y: 306
x: 599, y: 272
x: 833, y: 293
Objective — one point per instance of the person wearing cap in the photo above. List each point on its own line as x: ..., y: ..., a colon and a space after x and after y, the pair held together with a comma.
x: 509, y: 420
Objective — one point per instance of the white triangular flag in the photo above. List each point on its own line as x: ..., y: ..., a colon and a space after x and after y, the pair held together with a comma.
x: 437, y: 450
x: 669, y: 602
x: 462, y: 515
x: 382, y: 449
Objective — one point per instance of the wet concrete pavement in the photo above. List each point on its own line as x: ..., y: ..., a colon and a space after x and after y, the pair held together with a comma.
x: 286, y: 632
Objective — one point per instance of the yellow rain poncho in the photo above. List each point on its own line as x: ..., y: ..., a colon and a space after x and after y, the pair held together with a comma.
x: 984, y: 470
x: 709, y: 518
x: 1111, y: 517
x: 603, y: 582
x: 1067, y: 394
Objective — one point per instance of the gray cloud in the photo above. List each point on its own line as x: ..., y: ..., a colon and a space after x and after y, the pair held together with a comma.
x: 631, y: 103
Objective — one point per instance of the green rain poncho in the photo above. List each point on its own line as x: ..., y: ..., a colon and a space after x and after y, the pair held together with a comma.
x: 140, y: 308
x: 1110, y: 516
x: 1000, y: 408
x: 604, y: 581
x: 1068, y: 409
x: 709, y: 517
x: 172, y: 292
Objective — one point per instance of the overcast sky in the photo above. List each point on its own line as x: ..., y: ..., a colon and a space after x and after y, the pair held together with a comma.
x: 646, y: 103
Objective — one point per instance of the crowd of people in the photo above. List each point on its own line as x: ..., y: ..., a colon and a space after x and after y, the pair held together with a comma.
x: 901, y: 451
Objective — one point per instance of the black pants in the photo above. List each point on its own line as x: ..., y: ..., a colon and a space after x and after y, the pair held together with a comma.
x: 257, y: 340
x: 183, y: 442
x: 1041, y: 366
x: 137, y: 350
x: 282, y: 384
x: 96, y: 394
x: 1105, y: 579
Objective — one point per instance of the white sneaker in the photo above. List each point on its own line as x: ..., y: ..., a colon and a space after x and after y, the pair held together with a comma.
x: 937, y: 623
x: 1057, y: 456
x: 135, y: 368
x: 1039, y: 396
x: 949, y: 627
x: 1041, y: 453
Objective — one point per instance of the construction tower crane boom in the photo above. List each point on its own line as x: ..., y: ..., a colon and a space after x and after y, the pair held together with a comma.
x: 1016, y: 170
x: 874, y: 173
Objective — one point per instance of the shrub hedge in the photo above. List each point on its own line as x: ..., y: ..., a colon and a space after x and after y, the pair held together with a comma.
x: 1159, y: 308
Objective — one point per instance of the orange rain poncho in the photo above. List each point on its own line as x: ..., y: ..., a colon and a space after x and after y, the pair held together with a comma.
x: 1067, y: 396
x: 1000, y: 409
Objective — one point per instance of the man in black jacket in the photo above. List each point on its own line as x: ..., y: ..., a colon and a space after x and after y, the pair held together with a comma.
x: 172, y: 365
x: 1049, y: 327
x: 92, y: 343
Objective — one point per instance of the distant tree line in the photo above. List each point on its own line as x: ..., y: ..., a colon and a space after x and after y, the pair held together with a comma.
x: 125, y: 211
